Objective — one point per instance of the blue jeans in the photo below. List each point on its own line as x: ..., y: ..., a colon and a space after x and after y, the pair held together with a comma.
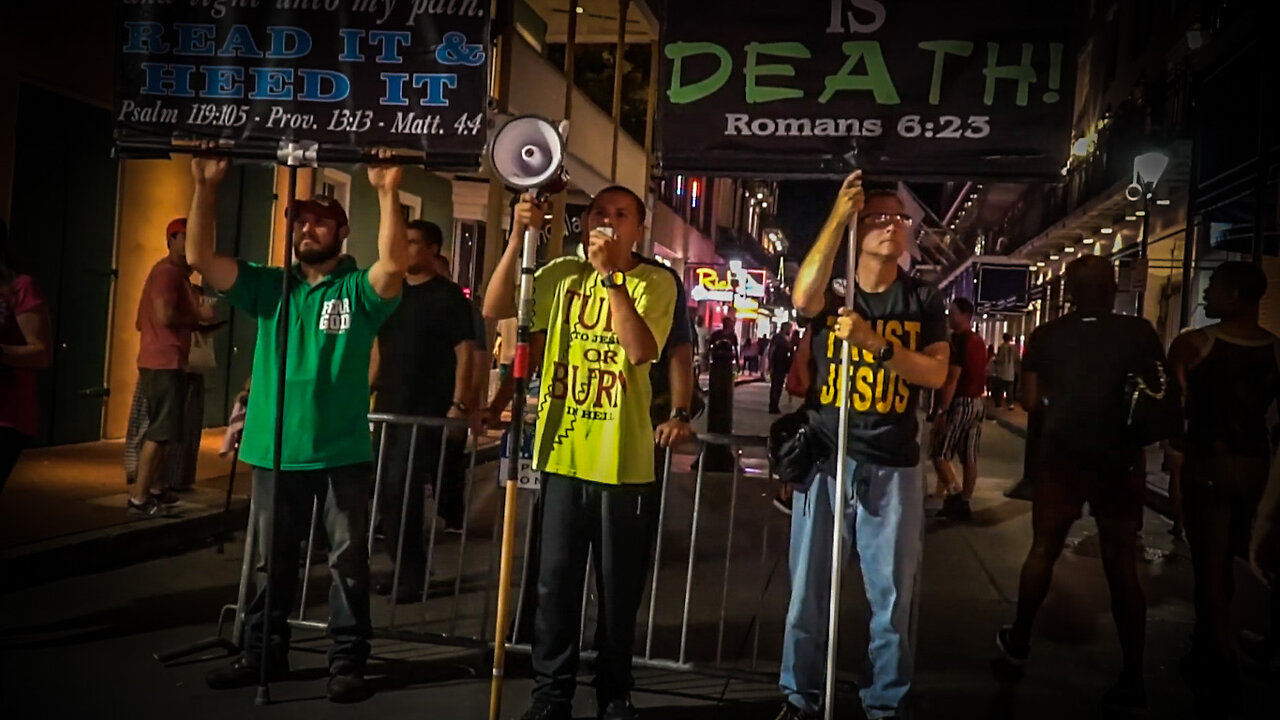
x: 884, y: 512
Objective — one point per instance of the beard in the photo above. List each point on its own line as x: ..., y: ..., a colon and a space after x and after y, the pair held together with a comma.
x: 315, y: 255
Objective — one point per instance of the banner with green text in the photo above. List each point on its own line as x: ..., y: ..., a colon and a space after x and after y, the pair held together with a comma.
x: 907, y: 89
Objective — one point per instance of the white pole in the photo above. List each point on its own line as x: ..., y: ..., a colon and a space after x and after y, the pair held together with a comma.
x: 842, y: 443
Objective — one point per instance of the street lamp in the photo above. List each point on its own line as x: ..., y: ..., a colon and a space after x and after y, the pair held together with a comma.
x: 1147, y: 169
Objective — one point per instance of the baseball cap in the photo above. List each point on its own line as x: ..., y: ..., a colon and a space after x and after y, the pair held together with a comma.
x: 175, y: 226
x: 323, y: 206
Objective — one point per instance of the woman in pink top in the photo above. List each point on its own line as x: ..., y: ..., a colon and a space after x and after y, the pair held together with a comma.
x: 25, y: 346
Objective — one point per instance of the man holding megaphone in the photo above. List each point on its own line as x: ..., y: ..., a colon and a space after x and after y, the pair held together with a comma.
x: 599, y: 323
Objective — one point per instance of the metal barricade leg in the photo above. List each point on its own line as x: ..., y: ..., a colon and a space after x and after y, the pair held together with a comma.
x: 435, y: 516
x: 306, y: 570
x: 404, y: 513
x: 377, y: 484
x: 728, y: 554
x: 246, y: 572
x: 525, y: 561
x: 657, y: 554
x: 490, y: 580
x: 693, y: 545
x: 586, y: 594
x: 764, y: 558
x: 467, y: 486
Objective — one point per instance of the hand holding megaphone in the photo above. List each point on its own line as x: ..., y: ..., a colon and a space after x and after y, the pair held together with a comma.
x: 529, y: 213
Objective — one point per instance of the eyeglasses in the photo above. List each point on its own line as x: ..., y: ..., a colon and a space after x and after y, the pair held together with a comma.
x: 886, y: 219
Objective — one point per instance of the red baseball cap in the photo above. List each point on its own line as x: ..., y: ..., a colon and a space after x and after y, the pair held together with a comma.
x: 175, y: 226
x: 322, y: 206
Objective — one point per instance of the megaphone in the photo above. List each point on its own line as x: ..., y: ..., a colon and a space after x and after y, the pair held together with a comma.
x: 527, y: 153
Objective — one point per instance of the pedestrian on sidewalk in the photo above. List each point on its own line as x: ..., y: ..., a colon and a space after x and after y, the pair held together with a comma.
x: 957, y: 417
x: 422, y: 366
x: 326, y: 457
x: 780, y: 353
x: 750, y: 356
x: 898, y: 338
x: 26, y: 346
x: 1006, y: 369
x: 727, y: 334
x: 1230, y: 375
x: 167, y: 314
x: 1076, y: 369
x: 184, y: 455
x: 601, y: 321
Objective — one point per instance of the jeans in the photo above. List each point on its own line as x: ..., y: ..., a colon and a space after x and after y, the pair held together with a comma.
x: 884, y: 514
x: 618, y: 523
x: 343, y: 494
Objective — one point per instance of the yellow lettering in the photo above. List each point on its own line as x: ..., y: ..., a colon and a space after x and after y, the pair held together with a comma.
x: 884, y: 391
x: 904, y: 395
x: 829, y: 388
x: 893, y: 332
x: 912, y: 328
x: 862, y: 384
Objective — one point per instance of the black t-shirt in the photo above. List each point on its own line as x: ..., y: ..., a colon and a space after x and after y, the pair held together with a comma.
x: 681, y: 333
x: 417, y: 365
x: 882, y: 418
x: 1081, y: 363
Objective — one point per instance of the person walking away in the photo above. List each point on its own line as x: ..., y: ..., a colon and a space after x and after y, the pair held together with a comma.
x: 26, y: 346
x: 957, y: 423
x: 1076, y: 368
x: 167, y: 314
x: 1006, y: 367
x: 423, y: 367
x: 780, y: 353
x: 326, y: 458
x: 605, y: 319
x: 897, y: 334
x: 726, y: 333
x: 750, y: 359
x: 1230, y: 375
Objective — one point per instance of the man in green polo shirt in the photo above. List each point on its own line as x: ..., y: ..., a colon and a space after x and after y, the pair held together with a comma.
x: 335, y: 312
x: 599, y: 323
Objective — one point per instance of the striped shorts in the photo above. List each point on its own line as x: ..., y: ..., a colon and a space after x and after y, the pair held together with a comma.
x: 963, y: 430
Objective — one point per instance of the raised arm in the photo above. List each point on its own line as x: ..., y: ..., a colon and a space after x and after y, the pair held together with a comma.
x: 500, y: 293
x: 809, y: 295
x: 219, y: 271
x: 387, y: 274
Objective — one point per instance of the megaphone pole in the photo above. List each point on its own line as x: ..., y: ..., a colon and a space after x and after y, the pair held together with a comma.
x: 842, y: 462
x: 520, y: 373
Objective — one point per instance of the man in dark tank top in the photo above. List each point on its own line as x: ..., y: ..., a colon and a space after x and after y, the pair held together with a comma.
x: 1230, y: 376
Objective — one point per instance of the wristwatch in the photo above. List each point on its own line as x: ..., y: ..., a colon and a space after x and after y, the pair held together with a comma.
x: 885, y: 354
x: 613, y: 279
x: 681, y: 414
x: 460, y: 405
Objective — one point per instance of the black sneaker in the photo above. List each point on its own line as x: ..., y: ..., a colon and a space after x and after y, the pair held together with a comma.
x: 546, y: 711
x: 955, y: 507
x: 243, y: 672
x: 347, y: 685
x: 1014, y: 653
x: 619, y: 710
x: 791, y: 712
x: 166, y: 497
x: 408, y: 594
x: 1025, y: 489
x: 148, y: 508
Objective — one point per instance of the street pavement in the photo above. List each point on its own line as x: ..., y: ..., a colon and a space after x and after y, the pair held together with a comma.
x: 82, y: 646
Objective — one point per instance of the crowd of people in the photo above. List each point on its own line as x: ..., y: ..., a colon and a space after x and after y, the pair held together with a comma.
x: 614, y: 348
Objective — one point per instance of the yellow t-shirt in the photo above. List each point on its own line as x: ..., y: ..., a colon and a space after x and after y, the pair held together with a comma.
x: 593, y: 413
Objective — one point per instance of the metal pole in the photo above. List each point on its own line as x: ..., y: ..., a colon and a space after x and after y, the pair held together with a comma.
x: 657, y: 554
x: 520, y: 372
x: 842, y: 463
x: 306, y: 569
x: 623, y: 6
x: 435, y: 516
x: 728, y: 556
x: 1142, y: 250
x: 404, y: 513
x: 377, y: 483
x: 282, y: 339
x: 693, y: 545
x: 462, y: 544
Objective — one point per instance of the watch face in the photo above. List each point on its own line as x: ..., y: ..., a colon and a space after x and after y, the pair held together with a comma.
x: 614, y: 279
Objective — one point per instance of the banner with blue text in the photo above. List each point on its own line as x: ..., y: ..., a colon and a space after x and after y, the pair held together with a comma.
x: 907, y: 89
x: 351, y: 74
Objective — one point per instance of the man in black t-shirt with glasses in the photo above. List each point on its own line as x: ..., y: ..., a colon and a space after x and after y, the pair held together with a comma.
x: 898, y: 338
x: 424, y: 364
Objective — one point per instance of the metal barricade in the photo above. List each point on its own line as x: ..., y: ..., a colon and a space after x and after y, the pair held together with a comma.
x: 668, y: 607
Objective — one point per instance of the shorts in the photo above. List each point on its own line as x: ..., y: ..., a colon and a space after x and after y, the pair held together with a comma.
x: 1112, y: 493
x: 962, y: 432
x: 165, y: 393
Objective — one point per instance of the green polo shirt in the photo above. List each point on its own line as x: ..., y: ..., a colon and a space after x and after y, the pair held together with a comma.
x: 332, y: 325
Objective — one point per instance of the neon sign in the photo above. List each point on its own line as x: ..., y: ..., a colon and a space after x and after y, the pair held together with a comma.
x: 716, y: 285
